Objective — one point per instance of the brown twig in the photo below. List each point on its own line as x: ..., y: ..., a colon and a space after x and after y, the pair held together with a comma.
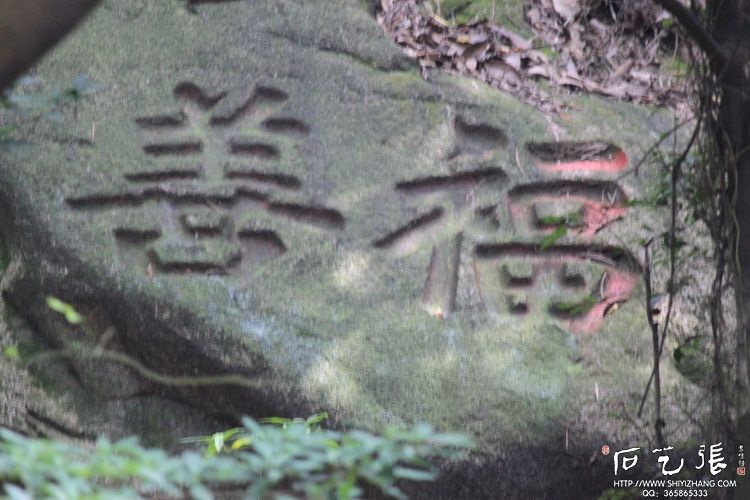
x: 77, y: 350
x: 658, y: 421
x: 676, y: 165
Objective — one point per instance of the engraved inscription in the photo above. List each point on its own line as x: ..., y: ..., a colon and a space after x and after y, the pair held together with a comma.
x: 592, y: 157
x: 588, y: 206
x: 575, y: 284
x: 213, y: 192
x: 460, y: 206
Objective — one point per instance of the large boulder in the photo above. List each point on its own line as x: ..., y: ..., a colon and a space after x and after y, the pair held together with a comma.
x: 270, y: 189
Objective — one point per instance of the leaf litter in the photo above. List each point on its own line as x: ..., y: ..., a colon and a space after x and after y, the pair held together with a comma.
x: 615, y: 48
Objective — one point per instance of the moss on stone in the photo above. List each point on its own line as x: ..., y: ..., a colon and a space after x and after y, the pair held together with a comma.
x: 4, y: 255
x: 332, y: 319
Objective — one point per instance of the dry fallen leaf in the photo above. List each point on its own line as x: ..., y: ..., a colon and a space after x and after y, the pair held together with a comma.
x: 596, y: 54
x: 500, y: 71
x: 568, y: 9
x: 622, y: 70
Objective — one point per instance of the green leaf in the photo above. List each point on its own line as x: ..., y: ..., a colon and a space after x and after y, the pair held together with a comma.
x: 413, y: 474
x: 281, y: 421
x: 316, y: 419
x: 240, y: 443
x: 576, y: 308
x: 309, y: 463
x: 678, y: 242
x: 552, y: 238
x: 71, y: 315
x: 16, y: 493
x: 11, y: 352
x: 572, y: 219
x: 218, y: 441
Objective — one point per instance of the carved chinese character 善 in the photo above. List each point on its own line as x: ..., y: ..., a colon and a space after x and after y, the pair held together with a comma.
x: 215, y: 190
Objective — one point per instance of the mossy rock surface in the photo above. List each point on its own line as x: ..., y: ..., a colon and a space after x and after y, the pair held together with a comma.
x: 269, y: 188
x: 506, y: 12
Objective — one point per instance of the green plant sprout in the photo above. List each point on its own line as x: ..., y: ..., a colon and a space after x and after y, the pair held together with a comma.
x: 71, y: 315
x: 293, y: 459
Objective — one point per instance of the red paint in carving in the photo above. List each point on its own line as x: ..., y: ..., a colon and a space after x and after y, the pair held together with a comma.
x: 595, y: 213
x: 596, y: 216
x: 613, y: 165
x: 618, y: 287
x: 618, y: 283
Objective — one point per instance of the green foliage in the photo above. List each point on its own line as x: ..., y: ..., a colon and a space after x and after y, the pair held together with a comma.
x: 657, y: 196
x: 571, y: 220
x: 659, y: 190
x: 312, y: 423
x: 27, y: 99
x: 289, y: 459
x: 466, y: 11
x: 678, y: 241
x: 11, y: 352
x: 233, y: 439
x: 667, y: 23
x: 71, y: 315
x: 551, y: 239
x: 578, y: 307
x: 693, y: 359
